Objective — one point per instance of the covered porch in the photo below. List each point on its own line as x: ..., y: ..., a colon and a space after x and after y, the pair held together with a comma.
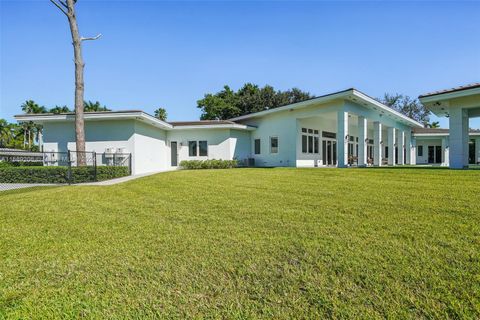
x: 355, y: 133
x: 459, y: 105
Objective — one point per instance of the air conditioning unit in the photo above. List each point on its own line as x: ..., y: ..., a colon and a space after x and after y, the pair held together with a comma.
x: 121, y: 151
x: 109, y: 152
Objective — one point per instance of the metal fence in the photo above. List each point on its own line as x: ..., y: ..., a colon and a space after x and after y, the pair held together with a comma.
x: 90, y: 166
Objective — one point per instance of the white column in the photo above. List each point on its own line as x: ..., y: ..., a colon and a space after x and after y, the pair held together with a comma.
x: 377, y: 144
x: 408, y: 147
x: 362, y: 145
x: 444, y: 151
x: 413, y: 151
x: 458, y: 142
x: 342, y: 139
x: 391, y: 146
x: 401, y: 146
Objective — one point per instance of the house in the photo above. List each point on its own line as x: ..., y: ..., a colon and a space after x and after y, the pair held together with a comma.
x: 340, y: 129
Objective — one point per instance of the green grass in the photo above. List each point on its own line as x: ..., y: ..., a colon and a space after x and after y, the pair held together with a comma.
x: 246, y: 243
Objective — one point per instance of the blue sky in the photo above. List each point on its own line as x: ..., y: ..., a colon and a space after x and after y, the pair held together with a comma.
x: 169, y: 54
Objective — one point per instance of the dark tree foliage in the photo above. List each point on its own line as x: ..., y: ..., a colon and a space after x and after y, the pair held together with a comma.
x: 405, y: 105
x: 227, y: 103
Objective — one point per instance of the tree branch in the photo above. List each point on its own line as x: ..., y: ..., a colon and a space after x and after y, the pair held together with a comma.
x: 91, y: 38
x: 59, y: 7
x: 63, y: 3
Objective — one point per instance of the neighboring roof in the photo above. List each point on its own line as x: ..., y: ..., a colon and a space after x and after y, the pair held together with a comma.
x: 137, y: 115
x: 438, y: 132
x: 456, y: 89
x: 350, y: 94
x: 209, y: 124
x: 200, y: 122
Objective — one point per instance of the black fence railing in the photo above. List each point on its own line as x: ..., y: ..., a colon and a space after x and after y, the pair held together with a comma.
x: 20, y: 166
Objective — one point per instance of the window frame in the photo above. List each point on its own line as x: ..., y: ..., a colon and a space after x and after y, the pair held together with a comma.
x: 199, y: 148
x: 255, y: 146
x: 195, y: 148
x: 271, y: 148
x: 420, y: 151
x: 310, y: 141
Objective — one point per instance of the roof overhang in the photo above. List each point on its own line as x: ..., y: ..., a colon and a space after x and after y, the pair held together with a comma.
x: 349, y: 94
x: 42, y: 118
x: 441, y: 103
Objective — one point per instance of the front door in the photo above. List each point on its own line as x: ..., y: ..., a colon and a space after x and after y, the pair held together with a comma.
x: 431, y: 154
x: 438, y: 154
x: 174, y: 155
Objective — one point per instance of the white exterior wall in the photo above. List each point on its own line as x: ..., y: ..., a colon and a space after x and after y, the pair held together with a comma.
x: 425, y: 142
x: 281, y: 125
x: 240, y: 144
x: 150, y: 152
x: 223, y: 144
x: 99, y: 135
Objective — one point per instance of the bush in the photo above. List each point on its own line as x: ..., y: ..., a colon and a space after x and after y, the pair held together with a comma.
x: 56, y: 174
x: 4, y: 164
x: 208, y: 164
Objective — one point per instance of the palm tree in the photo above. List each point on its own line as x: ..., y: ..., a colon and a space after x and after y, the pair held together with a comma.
x: 31, y: 106
x: 90, y: 106
x: 58, y: 110
x: 434, y: 125
x: 161, y: 114
x: 4, y: 132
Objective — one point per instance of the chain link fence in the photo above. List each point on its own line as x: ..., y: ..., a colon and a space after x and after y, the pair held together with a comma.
x: 22, y: 168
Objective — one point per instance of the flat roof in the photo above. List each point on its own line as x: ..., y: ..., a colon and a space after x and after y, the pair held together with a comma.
x: 438, y: 132
x: 137, y: 115
x: 350, y: 94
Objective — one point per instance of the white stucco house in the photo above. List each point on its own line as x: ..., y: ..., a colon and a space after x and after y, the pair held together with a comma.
x: 346, y: 128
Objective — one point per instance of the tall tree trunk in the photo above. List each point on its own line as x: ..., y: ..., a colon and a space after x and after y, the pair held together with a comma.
x: 79, y: 85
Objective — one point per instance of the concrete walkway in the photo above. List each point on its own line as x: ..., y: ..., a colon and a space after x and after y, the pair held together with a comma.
x: 14, y: 186
x: 120, y: 180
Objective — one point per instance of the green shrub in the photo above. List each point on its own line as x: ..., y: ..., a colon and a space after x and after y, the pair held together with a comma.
x: 4, y: 164
x: 56, y: 174
x: 208, y: 164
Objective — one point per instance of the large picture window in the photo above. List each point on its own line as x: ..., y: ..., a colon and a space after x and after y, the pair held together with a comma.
x: 192, y: 148
x: 257, y: 146
x: 273, y: 144
x: 197, y: 148
x: 310, y: 141
x: 202, y: 148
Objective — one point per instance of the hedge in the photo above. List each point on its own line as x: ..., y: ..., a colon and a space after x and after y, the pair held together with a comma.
x: 4, y: 164
x: 56, y: 174
x: 208, y: 164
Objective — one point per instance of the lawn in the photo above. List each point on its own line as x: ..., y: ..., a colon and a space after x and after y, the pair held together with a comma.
x: 246, y: 243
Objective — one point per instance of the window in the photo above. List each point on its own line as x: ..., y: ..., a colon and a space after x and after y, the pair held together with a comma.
x: 304, y: 143
x: 202, y: 148
x: 420, y: 151
x: 197, y: 148
x: 310, y: 141
x: 257, y: 146
x: 273, y: 144
x: 331, y: 135
x: 315, y: 143
x: 192, y: 148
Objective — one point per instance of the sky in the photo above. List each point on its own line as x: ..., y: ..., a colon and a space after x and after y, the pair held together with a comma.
x: 169, y: 54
